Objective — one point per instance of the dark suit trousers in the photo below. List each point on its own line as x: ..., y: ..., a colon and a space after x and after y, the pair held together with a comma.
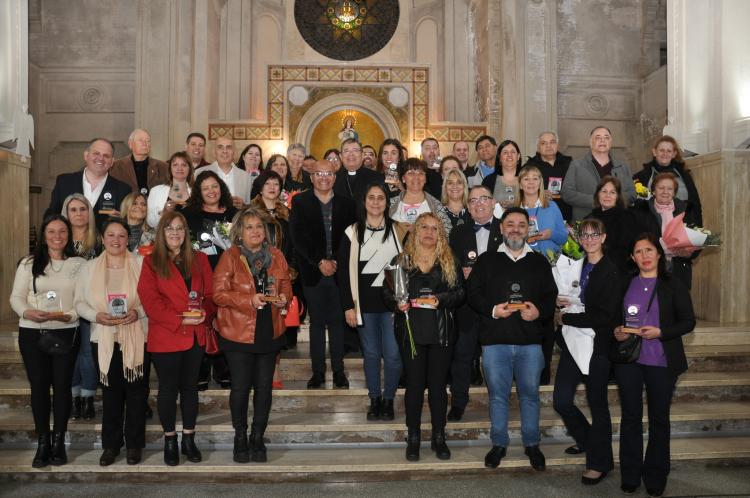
x: 660, y: 383
x: 595, y: 437
x: 464, y: 352
x: 427, y: 370
x: 324, y: 307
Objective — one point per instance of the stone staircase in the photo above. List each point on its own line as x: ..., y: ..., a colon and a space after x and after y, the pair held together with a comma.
x: 324, y: 435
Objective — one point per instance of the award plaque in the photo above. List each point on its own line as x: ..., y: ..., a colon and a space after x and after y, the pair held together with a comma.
x: 391, y: 174
x: 471, y: 258
x: 632, y: 319
x: 52, y: 304
x: 270, y: 294
x: 195, y: 305
x: 554, y: 187
x: 515, y: 296
x: 108, y: 204
x: 117, y: 305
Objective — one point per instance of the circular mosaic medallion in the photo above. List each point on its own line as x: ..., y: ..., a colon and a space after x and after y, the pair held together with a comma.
x: 346, y: 30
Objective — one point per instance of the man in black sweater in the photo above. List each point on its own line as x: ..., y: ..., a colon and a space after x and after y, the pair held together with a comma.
x: 513, y: 292
x: 316, y: 225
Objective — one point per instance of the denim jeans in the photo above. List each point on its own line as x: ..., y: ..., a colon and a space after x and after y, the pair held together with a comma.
x: 378, y: 341
x: 503, y: 363
x: 85, y: 374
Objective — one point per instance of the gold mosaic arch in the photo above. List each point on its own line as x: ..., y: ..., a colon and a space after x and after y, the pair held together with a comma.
x: 278, y: 75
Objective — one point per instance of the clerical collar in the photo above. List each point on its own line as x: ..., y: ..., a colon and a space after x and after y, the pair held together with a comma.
x: 351, y: 173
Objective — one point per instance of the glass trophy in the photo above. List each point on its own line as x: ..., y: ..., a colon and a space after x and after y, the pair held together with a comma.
x: 632, y: 319
x: 391, y: 174
x: 515, y: 296
x: 270, y: 291
x: 471, y: 258
x: 108, y: 204
x: 195, y: 305
x: 52, y: 304
x: 554, y: 186
x: 117, y: 305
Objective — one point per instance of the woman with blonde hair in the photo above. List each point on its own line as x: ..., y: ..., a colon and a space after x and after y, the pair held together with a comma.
x: 77, y: 209
x: 134, y: 208
x: 546, y: 225
x: 435, y: 291
x: 455, y: 195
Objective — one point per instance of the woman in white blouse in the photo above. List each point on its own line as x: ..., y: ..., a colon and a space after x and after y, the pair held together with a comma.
x: 48, y: 339
x: 176, y: 192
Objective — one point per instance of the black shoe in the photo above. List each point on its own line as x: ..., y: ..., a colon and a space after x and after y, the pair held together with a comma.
x: 574, y: 450
x: 455, y: 414
x: 536, y: 457
x: 58, y: 455
x: 402, y: 381
x: 189, y: 449
x: 171, y: 453
x: 413, y: 440
x: 258, y: 447
x: 375, y: 409
x: 133, y: 456
x: 629, y: 489
x: 225, y: 384
x: 438, y: 445
x: 386, y: 410
x: 493, y: 457
x: 77, y: 407
x: 340, y: 381
x: 240, y: 453
x: 42, y: 456
x: 655, y: 491
x: 88, y: 408
x: 316, y: 381
x: 476, y: 374
x: 149, y: 412
x: 202, y: 385
x: 108, y: 457
x: 591, y: 481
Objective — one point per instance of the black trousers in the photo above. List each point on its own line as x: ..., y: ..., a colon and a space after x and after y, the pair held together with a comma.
x: 216, y: 363
x: 178, y: 374
x: 44, y: 371
x: 594, y: 437
x: 427, y: 370
x: 124, y: 404
x: 250, y: 370
x: 659, y: 382
x: 324, y: 307
x: 464, y: 353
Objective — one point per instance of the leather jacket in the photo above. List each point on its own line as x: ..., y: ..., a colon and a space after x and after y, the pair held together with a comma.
x: 234, y: 288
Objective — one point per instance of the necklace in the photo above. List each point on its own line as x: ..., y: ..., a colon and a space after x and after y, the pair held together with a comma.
x: 644, y: 284
x: 52, y: 266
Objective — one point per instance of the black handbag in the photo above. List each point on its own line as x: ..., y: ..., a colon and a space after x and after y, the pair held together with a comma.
x: 55, y: 342
x: 629, y: 350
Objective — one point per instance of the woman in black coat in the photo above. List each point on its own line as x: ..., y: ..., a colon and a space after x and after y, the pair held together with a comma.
x: 657, y: 307
x: 600, y: 293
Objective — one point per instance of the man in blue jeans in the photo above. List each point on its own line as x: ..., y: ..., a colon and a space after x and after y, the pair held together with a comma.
x: 513, y: 291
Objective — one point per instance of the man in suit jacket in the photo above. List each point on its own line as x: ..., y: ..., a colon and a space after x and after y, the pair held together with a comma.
x: 104, y: 192
x: 353, y: 178
x: 238, y: 181
x: 468, y: 242
x: 139, y: 170
x: 430, y: 149
x: 316, y: 224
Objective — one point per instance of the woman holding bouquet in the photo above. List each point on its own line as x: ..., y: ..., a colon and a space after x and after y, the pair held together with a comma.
x: 176, y: 289
x: 656, y: 307
x: 659, y: 211
x: 547, y: 229
x: 251, y: 324
x: 435, y: 291
x: 600, y: 294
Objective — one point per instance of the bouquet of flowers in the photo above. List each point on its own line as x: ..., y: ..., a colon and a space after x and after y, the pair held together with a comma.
x: 220, y: 235
x: 286, y: 197
x: 641, y: 191
x: 567, y: 265
x: 678, y: 239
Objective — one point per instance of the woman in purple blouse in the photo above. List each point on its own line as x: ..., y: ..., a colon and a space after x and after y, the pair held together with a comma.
x: 658, y: 309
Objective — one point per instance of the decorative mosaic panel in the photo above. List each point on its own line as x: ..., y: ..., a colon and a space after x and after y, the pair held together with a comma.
x: 364, y: 77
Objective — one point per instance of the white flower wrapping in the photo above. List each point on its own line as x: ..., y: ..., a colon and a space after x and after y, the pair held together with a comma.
x: 220, y: 236
x: 567, y: 273
x: 580, y: 341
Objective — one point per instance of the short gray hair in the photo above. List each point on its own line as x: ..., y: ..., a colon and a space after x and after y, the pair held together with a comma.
x: 131, y: 137
x: 549, y: 132
x: 297, y: 147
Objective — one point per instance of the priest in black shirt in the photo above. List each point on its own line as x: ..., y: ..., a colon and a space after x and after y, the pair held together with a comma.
x: 352, y: 178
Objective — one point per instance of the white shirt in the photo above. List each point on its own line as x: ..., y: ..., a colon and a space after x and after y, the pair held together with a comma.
x: 526, y: 250
x: 408, y: 213
x: 92, y: 194
x: 483, y: 238
x: 157, y: 198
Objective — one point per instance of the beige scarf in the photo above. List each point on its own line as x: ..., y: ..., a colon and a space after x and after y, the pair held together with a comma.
x: 130, y: 336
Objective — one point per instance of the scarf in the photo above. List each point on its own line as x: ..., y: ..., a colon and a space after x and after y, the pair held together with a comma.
x: 130, y: 336
x: 665, y: 212
x: 259, y: 261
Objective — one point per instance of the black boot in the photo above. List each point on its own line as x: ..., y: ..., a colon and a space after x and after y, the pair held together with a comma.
x: 386, y: 410
x: 241, y: 453
x: 171, y: 454
x: 438, y: 444
x: 476, y: 374
x: 41, y: 459
x: 189, y: 449
x: 88, y: 408
x: 413, y: 441
x: 375, y: 408
x: 258, y: 447
x: 77, y: 406
x: 58, y: 455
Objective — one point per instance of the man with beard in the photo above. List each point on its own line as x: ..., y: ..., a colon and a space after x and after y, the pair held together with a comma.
x: 369, y: 157
x: 514, y: 293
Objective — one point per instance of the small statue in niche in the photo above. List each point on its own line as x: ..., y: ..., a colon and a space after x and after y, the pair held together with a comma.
x: 348, y: 130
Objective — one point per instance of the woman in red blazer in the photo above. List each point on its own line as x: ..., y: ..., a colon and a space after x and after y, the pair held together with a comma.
x: 176, y: 290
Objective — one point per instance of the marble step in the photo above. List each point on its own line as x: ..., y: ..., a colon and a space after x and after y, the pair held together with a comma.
x: 17, y: 427
x: 295, y: 397
x: 335, y: 464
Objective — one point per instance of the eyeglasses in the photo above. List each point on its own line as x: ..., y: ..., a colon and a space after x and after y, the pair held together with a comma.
x: 177, y: 229
x: 590, y: 236
x: 324, y: 174
x: 481, y: 199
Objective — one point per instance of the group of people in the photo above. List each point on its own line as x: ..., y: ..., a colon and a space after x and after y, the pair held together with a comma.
x: 141, y: 261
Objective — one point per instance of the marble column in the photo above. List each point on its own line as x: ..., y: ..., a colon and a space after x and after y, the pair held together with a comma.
x: 14, y: 230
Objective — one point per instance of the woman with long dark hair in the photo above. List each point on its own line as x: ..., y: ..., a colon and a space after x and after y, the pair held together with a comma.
x: 43, y: 298
x: 366, y: 248
x: 503, y: 183
x: 175, y: 192
x: 176, y: 290
x: 658, y: 309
